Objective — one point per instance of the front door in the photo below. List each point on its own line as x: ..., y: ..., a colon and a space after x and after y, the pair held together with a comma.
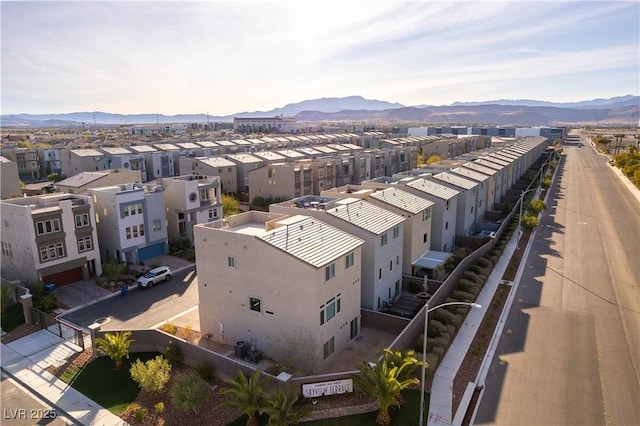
x: 354, y: 328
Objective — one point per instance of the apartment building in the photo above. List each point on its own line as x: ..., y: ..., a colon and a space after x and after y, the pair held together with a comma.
x: 49, y: 238
x: 165, y: 162
x: 381, y: 230
x: 287, y: 285
x: 119, y: 158
x: 50, y: 160
x: 213, y: 166
x: 190, y: 200
x: 82, y: 182
x: 278, y: 124
x: 244, y: 164
x: 9, y: 179
x: 416, y: 210
x: 484, y: 176
x: 131, y: 221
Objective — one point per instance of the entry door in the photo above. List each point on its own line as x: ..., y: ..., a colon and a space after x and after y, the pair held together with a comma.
x: 354, y: 328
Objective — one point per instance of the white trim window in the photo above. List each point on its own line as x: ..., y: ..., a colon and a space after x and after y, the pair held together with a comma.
x: 330, y: 272
x: 48, y: 226
x: 82, y: 220
x: 84, y: 244
x: 349, y: 260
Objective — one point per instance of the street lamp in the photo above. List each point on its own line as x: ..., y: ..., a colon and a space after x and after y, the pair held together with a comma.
x: 424, y: 346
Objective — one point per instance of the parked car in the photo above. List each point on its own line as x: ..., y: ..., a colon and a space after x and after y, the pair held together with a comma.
x: 154, y: 276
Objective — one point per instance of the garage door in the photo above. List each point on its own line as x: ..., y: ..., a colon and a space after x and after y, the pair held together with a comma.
x: 151, y: 251
x: 65, y: 277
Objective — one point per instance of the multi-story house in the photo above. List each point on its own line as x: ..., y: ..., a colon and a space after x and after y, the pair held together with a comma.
x: 165, y: 162
x: 213, y: 166
x: 27, y: 162
x: 50, y: 161
x: 381, y: 230
x: 76, y: 161
x: 82, y: 182
x: 9, y: 179
x: 119, y: 158
x: 244, y: 164
x: 131, y: 221
x: 416, y: 210
x: 287, y: 285
x: 486, y: 188
x: 281, y: 180
x: 189, y: 200
x: 468, y: 200
x: 49, y: 238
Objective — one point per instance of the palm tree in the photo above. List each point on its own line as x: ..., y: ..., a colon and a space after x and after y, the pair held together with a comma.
x: 115, y: 346
x: 278, y: 407
x: 382, y: 382
x: 246, y: 395
x: 406, y: 362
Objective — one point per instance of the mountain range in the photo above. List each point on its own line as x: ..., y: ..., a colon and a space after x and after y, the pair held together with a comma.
x: 620, y: 110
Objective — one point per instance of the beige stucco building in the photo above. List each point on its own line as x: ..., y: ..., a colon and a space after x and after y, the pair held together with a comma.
x: 9, y: 180
x: 287, y: 285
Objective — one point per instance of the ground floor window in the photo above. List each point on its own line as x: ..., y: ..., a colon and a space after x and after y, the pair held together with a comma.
x: 329, y: 347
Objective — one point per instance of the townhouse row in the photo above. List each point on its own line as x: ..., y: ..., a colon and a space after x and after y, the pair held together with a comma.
x: 295, y: 278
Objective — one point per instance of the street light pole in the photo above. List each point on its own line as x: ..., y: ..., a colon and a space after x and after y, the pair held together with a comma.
x: 424, y: 346
x: 520, y: 215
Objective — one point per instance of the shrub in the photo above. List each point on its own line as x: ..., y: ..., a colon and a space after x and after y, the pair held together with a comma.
x: 432, y: 361
x: 169, y: 328
x: 436, y: 328
x: 484, y: 263
x: 189, y: 334
x: 442, y: 340
x: 471, y: 276
x: 529, y: 222
x: 151, y: 376
x: 536, y: 206
x: 159, y: 408
x: 205, y: 370
x: 438, y: 350
x: 115, y: 346
x: 447, y: 317
x: 174, y: 354
x: 140, y: 414
x: 464, y: 285
x: 189, y: 391
x: 462, y: 296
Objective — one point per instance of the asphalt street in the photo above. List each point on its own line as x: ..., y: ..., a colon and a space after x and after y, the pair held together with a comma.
x: 570, y: 349
x: 143, y: 307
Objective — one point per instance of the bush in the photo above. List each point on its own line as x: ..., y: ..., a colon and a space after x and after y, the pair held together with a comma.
x: 436, y: 328
x: 462, y: 296
x: 471, y: 277
x: 159, y: 408
x: 536, y: 206
x: 189, y: 391
x: 464, y: 285
x: 151, y: 376
x: 447, y: 317
x: 174, y: 354
x: 484, y: 263
x: 432, y: 361
x: 205, y: 370
x: 169, y: 328
x: 529, y: 222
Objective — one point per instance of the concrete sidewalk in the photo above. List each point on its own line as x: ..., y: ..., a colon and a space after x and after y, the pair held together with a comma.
x: 441, y: 402
x: 26, y: 360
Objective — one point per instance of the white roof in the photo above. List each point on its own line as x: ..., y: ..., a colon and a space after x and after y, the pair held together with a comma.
x: 402, y: 200
x: 87, y: 152
x: 479, y: 167
x: 268, y: 155
x: 471, y: 174
x: 217, y: 161
x: 143, y: 148
x: 489, y: 164
x: 433, y: 188
x: 311, y: 240
x: 365, y: 215
x: 455, y: 180
x: 243, y: 158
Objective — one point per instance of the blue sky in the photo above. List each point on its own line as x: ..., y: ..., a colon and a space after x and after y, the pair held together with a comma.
x: 224, y: 57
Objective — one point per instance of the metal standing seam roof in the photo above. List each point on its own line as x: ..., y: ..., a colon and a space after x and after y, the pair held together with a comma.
x: 456, y: 180
x: 82, y: 178
x: 489, y: 164
x: 311, y: 240
x: 365, y: 215
x: 479, y: 167
x: 471, y: 174
x: 433, y: 188
x: 503, y: 161
x: 403, y: 200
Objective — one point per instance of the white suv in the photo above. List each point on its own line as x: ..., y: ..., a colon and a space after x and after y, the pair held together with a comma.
x: 154, y: 276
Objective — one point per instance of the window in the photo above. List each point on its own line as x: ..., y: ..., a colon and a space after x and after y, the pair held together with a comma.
x: 84, y: 244
x: 349, y: 260
x: 6, y: 249
x: 157, y: 225
x: 135, y: 231
x: 425, y: 236
x: 383, y: 239
x: 82, y: 220
x: 331, y: 309
x: 379, y: 273
x: 447, y: 205
x: 51, y: 251
x: 426, y: 213
x: 330, y: 272
x: 254, y: 304
x: 471, y: 209
x: 139, y: 207
x: 397, y: 287
x: 210, y: 213
x: 48, y: 226
x: 328, y: 347
x: 322, y: 315
x: 127, y: 232
x: 396, y: 232
x: 446, y: 226
x: 231, y: 261
x: 391, y: 265
x: 141, y: 230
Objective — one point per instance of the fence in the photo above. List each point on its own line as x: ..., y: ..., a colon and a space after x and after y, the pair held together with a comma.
x: 58, y: 327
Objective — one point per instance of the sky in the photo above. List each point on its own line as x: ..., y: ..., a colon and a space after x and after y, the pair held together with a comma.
x: 225, y: 57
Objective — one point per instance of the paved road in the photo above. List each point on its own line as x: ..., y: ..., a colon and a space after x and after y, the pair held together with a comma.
x: 21, y: 408
x: 570, y: 350
x: 142, y: 307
